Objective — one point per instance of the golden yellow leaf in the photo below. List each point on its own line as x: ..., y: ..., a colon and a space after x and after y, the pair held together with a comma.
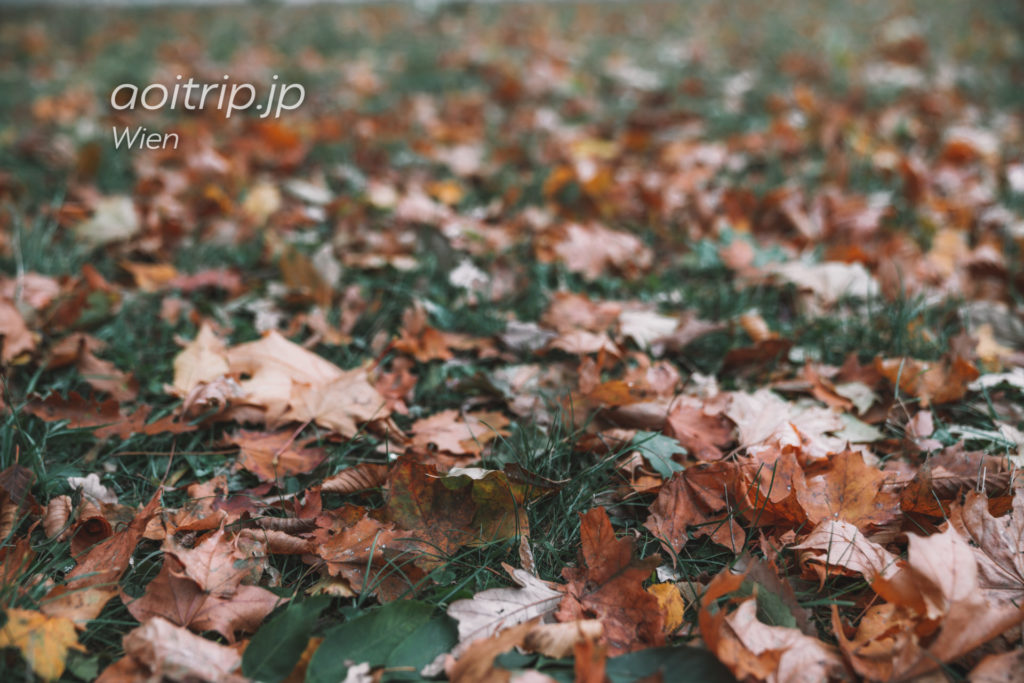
x: 670, y: 601
x: 44, y: 641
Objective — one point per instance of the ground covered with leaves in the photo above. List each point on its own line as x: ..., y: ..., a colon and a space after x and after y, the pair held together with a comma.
x: 540, y: 343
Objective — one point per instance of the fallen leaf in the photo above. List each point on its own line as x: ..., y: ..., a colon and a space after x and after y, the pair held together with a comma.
x: 43, y: 640
x: 490, y: 611
x: 114, y: 220
x: 844, y: 547
x: 996, y: 542
x: 609, y: 587
x: 697, y: 500
x: 203, y: 360
x: 272, y: 456
x: 15, y: 336
x: 844, y: 487
x: 165, y: 651
x: 670, y: 601
x: 933, y: 383
x: 458, y: 434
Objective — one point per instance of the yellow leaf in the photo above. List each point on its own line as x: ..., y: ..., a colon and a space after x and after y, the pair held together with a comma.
x: 44, y: 641
x: 671, y: 603
x: 150, y: 277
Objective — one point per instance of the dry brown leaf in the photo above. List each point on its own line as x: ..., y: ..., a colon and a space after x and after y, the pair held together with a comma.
x: 361, y: 477
x: 593, y: 250
x: 609, y: 586
x: 167, y: 652
x: 998, y: 545
x: 272, y: 456
x: 933, y: 383
x: 292, y: 384
x: 150, y: 277
x: 697, y: 500
x: 94, y: 579
x: 797, y: 658
x: 477, y: 663
x: 936, y: 593
x: 702, y: 434
x: 844, y: 487
x: 57, y: 515
x: 15, y: 337
x: 844, y: 547
x: 458, y: 434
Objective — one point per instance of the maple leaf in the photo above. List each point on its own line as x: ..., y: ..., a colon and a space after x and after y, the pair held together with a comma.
x: 766, y: 422
x: 609, y: 587
x: 43, y: 640
x: 461, y: 435
x: 372, y: 556
x: 570, y: 311
x: 844, y: 487
x: 933, y: 383
x: 272, y: 456
x: 289, y: 383
x: 775, y: 653
x: 696, y: 499
x: 937, y: 613
x: 582, y: 343
x: 201, y: 588
x: 593, y: 249
x: 79, y: 350
x: 216, y: 563
x: 420, y: 340
x: 477, y: 663
x: 700, y: 433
